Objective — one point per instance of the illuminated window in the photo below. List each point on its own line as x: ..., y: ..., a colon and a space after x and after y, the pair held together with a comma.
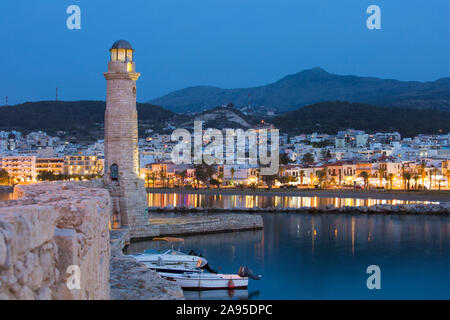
x: 121, y: 55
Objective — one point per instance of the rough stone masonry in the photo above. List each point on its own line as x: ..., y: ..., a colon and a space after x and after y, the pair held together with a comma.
x: 48, y: 227
x: 45, y: 229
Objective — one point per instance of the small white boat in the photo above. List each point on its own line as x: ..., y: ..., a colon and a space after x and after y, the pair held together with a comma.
x: 205, y: 281
x: 173, y: 268
x: 188, y: 270
x: 172, y: 259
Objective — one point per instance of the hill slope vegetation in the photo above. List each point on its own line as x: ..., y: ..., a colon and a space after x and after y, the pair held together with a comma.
x: 330, y: 117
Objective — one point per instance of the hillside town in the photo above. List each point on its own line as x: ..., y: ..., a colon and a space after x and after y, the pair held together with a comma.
x: 349, y: 159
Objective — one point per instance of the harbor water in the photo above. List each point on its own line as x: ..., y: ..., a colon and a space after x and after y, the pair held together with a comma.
x: 326, y: 256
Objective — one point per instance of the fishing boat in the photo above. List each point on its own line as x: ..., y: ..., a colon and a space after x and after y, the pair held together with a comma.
x: 205, y: 281
x: 171, y: 260
x: 192, y: 271
x: 211, y: 281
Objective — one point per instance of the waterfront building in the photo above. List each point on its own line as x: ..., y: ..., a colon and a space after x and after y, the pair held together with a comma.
x: 19, y: 168
x: 82, y: 165
x: 300, y: 175
x: 341, y: 172
x: 241, y: 173
x: 53, y: 165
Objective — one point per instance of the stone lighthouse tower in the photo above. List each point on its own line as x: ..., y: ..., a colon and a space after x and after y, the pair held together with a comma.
x: 121, y: 140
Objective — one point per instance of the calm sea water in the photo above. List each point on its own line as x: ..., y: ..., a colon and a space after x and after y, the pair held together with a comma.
x: 326, y: 256
x: 250, y: 201
x: 322, y: 256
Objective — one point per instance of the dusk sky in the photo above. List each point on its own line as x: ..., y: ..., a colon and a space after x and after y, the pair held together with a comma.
x: 229, y: 44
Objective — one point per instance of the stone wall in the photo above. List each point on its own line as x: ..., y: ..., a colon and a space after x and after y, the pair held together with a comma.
x: 165, y: 226
x: 49, y: 227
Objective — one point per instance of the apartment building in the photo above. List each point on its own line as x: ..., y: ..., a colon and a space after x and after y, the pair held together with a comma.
x: 19, y: 168
x: 81, y: 165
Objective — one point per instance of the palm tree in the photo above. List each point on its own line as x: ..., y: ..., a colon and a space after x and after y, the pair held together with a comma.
x: 416, y: 178
x: 147, y: 180
x: 232, y: 172
x: 301, y: 175
x: 321, y: 175
x: 283, y: 180
x: 281, y: 171
x: 448, y: 177
x: 434, y: 171
x: 269, y: 180
x: 406, y: 178
x: 204, y: 173
x: 381, y: 173
x: 220, y: 179
x: 162, y: 176
x: 423, y: 172
x: 366, y: 176
x: 333, y: 180
x: 153, y: 177
x: 391, y: 179
x: 183, y: 175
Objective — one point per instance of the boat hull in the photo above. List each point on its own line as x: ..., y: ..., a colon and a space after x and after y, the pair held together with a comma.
x: 201, y: 282
x: 172, y: 269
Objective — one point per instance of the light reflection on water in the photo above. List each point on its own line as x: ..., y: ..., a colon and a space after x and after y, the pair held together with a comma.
x: 254, y: 201
x: 325, y: 256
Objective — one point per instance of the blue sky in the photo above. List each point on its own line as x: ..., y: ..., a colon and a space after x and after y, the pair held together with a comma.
x: 230, y: 44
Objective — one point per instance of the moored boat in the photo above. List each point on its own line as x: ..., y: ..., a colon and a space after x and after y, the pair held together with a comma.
x: 172, y: 259
x: 192, y: 271
x: 205, y: 281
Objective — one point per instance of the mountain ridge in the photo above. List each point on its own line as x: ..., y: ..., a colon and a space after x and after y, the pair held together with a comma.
x: 312, y: 86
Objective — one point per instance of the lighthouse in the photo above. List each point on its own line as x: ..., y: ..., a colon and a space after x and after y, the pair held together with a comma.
x: 121, y: 175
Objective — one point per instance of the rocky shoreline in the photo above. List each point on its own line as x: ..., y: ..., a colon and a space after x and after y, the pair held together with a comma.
x: 416, y: 208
